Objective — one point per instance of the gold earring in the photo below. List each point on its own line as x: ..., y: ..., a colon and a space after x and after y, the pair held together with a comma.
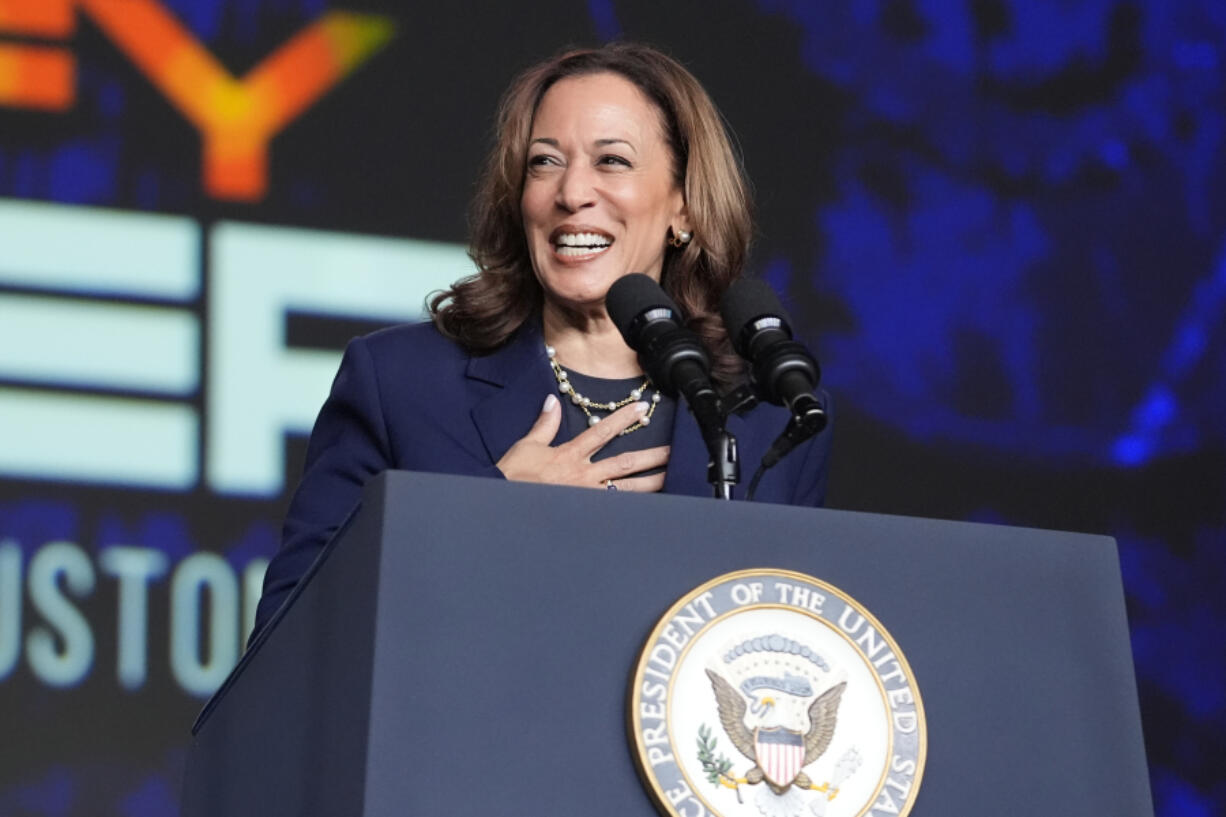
x: 680, y: 239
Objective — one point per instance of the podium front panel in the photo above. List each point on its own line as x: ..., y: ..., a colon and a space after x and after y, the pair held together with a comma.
x: 504, y: 622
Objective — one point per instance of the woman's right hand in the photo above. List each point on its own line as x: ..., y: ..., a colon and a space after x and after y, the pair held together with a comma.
x: 533, y: 459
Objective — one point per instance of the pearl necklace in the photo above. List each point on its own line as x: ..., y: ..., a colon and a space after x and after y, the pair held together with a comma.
x: 586, y: 404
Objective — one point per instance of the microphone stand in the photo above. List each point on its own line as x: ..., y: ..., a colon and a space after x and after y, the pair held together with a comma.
x: 711, y: 413
x: 724, y: 467
x: 808, y: 418
x: 724, y: 464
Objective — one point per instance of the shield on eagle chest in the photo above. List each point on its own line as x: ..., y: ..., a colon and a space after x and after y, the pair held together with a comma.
x: 780, y: 752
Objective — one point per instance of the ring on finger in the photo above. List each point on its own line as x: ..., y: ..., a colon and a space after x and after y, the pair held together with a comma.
x: 610, y: 485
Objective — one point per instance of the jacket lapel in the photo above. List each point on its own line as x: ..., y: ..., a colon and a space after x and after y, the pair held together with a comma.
x: 521, y: 371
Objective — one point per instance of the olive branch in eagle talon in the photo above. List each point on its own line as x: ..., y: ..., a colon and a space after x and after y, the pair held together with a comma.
x: 823, y: 715
x: 716, y: 769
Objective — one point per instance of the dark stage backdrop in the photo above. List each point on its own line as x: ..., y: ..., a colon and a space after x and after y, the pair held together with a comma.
x: 1001, y: 222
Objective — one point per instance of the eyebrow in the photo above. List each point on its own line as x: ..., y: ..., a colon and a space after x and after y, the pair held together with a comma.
x: 599, y: 142
x: 606, y: 142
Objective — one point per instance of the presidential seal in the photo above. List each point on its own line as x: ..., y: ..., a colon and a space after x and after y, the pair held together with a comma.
x: 768, y: 693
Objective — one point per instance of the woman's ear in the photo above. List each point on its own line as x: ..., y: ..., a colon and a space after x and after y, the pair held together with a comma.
x: 681, y: 221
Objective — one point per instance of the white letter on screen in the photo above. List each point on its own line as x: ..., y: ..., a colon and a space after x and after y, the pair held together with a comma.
x: 259, y: 390
x: 195, y: 575
x: 69, y: 665
x: 135, y: 568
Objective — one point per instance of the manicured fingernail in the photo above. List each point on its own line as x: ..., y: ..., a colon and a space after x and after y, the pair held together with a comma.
x: 550, y: 402
x: 640, y: 407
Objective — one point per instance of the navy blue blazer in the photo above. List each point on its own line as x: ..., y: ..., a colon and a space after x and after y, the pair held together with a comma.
x: 408, y: 398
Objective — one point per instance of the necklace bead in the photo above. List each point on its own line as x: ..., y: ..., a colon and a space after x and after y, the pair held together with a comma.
x: 586, y: 404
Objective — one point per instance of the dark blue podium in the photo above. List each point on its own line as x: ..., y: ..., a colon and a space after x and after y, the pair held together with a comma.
x: 464, y: 647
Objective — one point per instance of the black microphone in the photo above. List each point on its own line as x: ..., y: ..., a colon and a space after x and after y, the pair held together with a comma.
x: 672, y: 355
x: 783, y: 370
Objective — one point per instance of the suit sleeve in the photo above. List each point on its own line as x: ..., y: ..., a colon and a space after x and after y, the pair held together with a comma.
x: 810, y: 485
x: 348, y: 446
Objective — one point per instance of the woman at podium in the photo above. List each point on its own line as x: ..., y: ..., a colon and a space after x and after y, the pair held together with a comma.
x: 606, y: 162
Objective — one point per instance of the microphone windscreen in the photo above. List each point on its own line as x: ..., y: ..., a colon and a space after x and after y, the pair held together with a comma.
x: 746, y: 301
x: 632, y: 295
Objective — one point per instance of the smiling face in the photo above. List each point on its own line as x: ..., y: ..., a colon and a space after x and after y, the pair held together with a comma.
x: 599, y: 194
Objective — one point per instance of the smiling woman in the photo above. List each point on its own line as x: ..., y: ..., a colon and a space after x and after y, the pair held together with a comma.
x: 600, y: 197
x: 659, y: 120
x: 606, y: 162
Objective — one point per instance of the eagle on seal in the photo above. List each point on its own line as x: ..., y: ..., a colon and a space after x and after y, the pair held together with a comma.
x: 781, y: 769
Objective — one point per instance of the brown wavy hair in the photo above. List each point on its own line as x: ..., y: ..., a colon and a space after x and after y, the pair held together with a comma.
x: 483, y: 310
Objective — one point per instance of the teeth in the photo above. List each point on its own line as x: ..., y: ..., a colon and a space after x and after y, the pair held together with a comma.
x: 563, y: 250
x: 582, y: 240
